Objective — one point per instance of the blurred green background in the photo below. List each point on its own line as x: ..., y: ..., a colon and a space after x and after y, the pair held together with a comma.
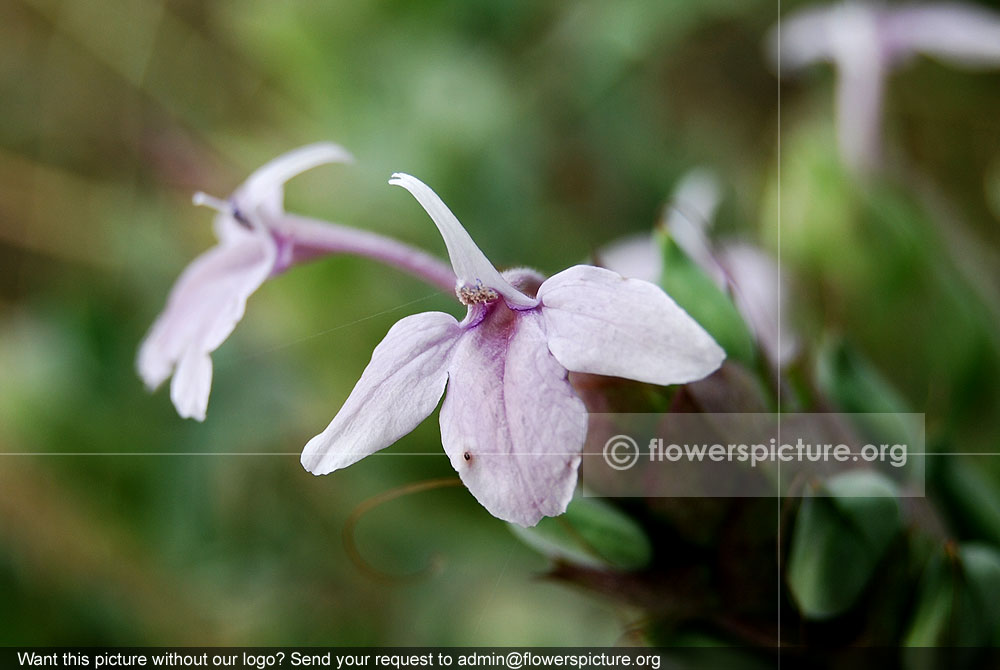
x: 550, y: 128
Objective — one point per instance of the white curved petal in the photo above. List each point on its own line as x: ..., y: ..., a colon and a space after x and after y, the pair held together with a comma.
x: 469, y: 262
x: 400, y: 387
x: 758, y: 292
x: 596, y: 321
x: 191, y: 385
x: 689, y: 217
x: 964, y: 34
x: 203, y: 308
x: 511, y: 424
x: 694, y: 202
x: 637, y: 256
x: 265, y: 186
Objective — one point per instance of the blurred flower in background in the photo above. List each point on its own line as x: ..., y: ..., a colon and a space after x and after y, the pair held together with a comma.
x: 866, y: 41
x: 210, y: 297
x: 749, y: 274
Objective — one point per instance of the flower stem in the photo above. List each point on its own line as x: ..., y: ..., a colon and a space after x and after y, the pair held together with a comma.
x: 312, y: 238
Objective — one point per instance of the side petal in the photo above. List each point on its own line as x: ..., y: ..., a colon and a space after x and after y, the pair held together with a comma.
x: 511, y: 423
x: 265, y: 186
x: 470, y: 263
x: 400, y: 387
x: 960, y: 33
x: 598, y: 322
x: 205, y: 305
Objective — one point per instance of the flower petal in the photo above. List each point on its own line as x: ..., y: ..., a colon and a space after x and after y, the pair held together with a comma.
x: 964, y: 34
x: 264, y: 188
x: 802, y: 37
x: 690, y: 215
x: 757, y: 290
x: 511, y: 423
x: 191, y: 385
x: 204, y: 307
x: 471, y: 266
x: 638, y: 256
x: 400, y: 387
x: 598, y: 322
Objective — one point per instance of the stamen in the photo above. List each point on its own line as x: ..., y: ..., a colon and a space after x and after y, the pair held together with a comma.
x: 475, y: 295
x: 219, y: 205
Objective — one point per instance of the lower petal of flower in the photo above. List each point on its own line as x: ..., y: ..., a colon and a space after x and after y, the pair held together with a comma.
x: 204, y: 307
x: 511, y: 423
x: 191, y: 384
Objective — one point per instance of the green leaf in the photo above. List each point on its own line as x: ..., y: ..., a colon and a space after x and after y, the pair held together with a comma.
x: 959, y: 599
x: 707, y: 304
x: 853, y: 383
x: 935, y: 604
x: 856, y: 386
x: 843, y: 529
x: 970, y: 497
x: 591, y: 533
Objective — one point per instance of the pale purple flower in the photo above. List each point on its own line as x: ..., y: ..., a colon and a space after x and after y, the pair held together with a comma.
x: 866, y: 42
x: 257, y: 239
x: 640, y: 256
x: 210, y: 296
x: 748, y: 273
x: 511, y: 423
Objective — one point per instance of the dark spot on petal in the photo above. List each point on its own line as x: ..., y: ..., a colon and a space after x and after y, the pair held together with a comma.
x: 468, y: 456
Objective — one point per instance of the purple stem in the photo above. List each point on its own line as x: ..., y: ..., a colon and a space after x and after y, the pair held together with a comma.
x: 311, y: 238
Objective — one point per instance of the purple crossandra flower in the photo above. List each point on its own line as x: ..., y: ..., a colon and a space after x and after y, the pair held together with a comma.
x: 511, y: 423
x: 867, y: 41
x: 257, y: 240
